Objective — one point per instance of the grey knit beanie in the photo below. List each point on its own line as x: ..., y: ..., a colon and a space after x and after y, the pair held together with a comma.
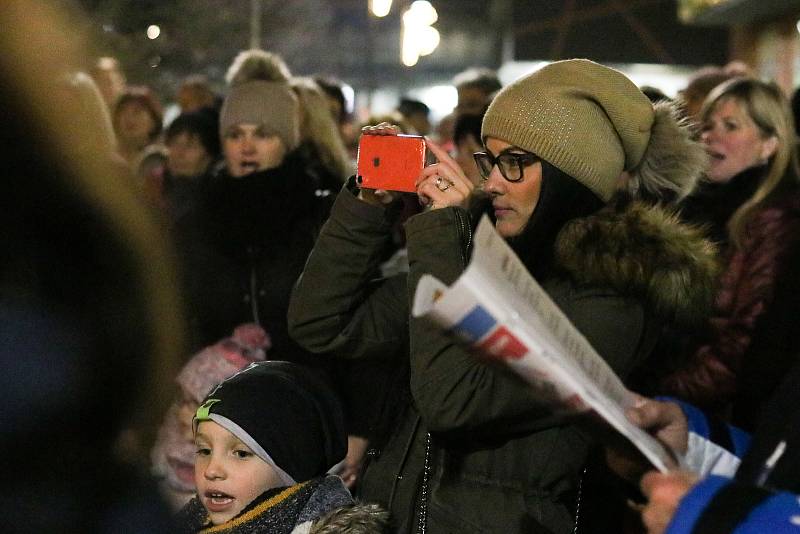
x: 592, y: 122
x: 260, y: 94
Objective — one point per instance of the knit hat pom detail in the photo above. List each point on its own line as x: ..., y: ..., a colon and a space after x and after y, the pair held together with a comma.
x: 257, y: 65
x: 260, y: 95
x: 672, y: 163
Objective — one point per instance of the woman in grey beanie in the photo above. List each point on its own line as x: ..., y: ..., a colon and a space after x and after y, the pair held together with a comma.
x: 576, y: 169
x: 246, y: 242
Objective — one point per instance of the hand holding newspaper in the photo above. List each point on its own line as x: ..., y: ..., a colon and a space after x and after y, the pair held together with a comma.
x: 497, y: 307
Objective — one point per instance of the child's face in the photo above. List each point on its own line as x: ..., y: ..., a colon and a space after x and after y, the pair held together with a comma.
x: 227, y: 473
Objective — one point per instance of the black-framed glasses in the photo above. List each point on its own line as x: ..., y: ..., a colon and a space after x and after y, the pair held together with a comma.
x: 511, y: 164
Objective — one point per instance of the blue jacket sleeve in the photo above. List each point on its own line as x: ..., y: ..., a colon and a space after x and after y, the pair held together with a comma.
x: 714, y: 447
x: 718, y: 504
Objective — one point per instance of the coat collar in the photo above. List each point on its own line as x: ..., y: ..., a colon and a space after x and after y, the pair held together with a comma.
x: 286, y: 510
x: 644, y: 251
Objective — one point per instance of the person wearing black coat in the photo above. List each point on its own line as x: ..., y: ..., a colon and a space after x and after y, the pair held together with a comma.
x: 246, y: 241
x: 255, y: 234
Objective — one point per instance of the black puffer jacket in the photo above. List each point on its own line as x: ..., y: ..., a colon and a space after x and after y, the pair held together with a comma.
x: 244, y: 247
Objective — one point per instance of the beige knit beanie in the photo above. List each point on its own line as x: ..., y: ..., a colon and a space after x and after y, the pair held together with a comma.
x: 592, y: 122
x: 260, y: 94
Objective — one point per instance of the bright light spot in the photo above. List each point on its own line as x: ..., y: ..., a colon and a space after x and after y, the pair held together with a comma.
x: 380, y: 8
x: 428, y: 40
x: 441, y: 99
x: 418, y: 37
x: 409, y: 54
x: 422, y: 12
x: 153, y: 31
x: 798, y: 25
x: 668, y: 78
x: 349, y: 98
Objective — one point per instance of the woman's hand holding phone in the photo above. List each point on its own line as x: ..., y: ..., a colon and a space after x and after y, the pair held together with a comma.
x: 443, y: 184
x: 438, y: 185
x: 378, y: 197
x: 383, y: 128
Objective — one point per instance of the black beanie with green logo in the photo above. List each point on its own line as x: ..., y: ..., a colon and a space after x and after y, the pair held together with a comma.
x: 287, y: 414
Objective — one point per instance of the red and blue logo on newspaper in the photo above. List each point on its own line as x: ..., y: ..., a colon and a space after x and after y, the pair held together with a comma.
x: 479, y: 328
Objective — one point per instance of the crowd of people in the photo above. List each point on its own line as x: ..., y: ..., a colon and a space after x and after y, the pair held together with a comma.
x: 212, y: 319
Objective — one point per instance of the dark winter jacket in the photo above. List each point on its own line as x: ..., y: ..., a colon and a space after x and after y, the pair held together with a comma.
x: 713, y: 203
x: 713, y: 376
x: 497, y: 460
x: 307, y: 507
x: 763, y: 496
x: 182, y: 195
x: 245, y: 246
x: 774, y: 346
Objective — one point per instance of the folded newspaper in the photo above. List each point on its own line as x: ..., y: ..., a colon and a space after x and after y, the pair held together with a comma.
x: 497, y: 308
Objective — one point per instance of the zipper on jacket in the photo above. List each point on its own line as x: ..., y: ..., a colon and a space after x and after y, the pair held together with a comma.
x: 253, y: 285
x: 465, y: 234
x: 422, y: 512
x: 578, y: 500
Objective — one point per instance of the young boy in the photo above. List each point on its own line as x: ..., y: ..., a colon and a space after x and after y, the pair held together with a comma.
x: 265, y: 439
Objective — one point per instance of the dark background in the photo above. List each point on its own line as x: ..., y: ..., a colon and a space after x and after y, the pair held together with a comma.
x: 340, y: 37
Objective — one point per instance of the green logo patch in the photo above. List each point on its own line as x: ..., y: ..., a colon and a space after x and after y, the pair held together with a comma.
x: 202, y: 411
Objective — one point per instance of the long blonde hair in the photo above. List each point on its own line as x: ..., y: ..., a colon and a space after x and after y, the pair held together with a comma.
x: 318, y: 127
x: 768, y: 108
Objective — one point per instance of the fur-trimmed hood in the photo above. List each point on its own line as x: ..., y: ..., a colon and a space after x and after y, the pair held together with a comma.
x: 643, y: 250
x: 356, y: 518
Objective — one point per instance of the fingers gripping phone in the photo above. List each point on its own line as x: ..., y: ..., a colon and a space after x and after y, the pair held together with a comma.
x: 390, y: 162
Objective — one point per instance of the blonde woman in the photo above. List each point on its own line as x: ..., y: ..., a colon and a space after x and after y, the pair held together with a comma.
x: 752, y: 201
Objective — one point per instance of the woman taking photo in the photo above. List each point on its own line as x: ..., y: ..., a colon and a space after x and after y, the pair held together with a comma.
x: 468, y: 447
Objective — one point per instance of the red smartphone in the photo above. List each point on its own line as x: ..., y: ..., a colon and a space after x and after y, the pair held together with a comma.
x: 390, y: 162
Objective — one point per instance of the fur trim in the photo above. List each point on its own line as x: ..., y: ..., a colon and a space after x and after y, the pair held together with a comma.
x: 357, y: 518
x: 672, y: 162
x: 252, y: 65
x: 644, y: 251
